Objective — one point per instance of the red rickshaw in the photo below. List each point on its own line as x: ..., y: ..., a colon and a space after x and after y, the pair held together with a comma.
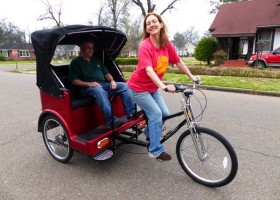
x: 70, y: 122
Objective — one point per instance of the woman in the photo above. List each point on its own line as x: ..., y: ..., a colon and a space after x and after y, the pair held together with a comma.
x: 155, y: 52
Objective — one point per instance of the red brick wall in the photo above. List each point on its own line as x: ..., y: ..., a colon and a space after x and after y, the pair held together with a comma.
x: 235, y: 63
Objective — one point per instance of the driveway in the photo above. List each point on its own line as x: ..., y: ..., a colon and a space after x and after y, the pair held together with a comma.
x: 27, y: 171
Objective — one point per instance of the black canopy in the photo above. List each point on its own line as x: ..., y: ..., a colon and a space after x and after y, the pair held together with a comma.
x: 108, y: 40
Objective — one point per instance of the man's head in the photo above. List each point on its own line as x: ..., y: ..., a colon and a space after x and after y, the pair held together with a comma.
x: 87, y: 49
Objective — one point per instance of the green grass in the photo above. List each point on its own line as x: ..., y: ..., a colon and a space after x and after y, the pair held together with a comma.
x: 27, y: 62
x: 261, y: 84
x: 254, y: 84
x: 191, y: 61
x: 33, y: 62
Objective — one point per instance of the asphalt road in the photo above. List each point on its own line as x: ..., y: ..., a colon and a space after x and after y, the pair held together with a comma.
x: 27, y: 171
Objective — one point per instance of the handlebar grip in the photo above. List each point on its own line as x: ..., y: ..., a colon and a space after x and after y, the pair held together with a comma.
x: 197, y: 81
x: 177, y: 89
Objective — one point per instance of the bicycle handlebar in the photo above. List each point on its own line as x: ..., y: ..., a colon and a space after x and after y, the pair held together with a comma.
x: 182, y: 88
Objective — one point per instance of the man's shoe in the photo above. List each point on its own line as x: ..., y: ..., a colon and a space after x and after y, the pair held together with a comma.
x: 161, y: 157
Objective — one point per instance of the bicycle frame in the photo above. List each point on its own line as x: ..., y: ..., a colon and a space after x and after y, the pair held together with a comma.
x: 189, y: 121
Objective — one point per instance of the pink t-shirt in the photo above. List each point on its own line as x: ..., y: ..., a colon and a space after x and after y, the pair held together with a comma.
x: 149, y: 56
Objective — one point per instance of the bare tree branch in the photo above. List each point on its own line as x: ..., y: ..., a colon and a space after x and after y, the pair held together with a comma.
x: 51, y: 13
x: 151, y: 6
x: 140, y: 4
x: 169, y: 7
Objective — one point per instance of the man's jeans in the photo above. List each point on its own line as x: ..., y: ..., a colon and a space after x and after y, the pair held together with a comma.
x: 155, y: 108
x: 101, y: 93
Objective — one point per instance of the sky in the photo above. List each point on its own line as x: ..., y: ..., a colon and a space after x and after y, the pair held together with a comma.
x: 24, y: 14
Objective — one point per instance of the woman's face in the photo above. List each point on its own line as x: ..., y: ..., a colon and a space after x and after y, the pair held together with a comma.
x: 153, y: 26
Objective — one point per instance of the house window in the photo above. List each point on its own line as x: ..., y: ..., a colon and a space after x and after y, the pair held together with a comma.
x: 5, y: 53
x: 24, y: 53
x: 266, y: 37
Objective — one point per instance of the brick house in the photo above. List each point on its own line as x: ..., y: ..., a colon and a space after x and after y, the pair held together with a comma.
x: 17, y: 51
x: 240, y: 26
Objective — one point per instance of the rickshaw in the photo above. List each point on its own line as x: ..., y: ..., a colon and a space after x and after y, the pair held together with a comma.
x: 70, y: 122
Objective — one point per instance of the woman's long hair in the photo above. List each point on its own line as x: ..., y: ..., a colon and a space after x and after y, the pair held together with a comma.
x: 163, y: 38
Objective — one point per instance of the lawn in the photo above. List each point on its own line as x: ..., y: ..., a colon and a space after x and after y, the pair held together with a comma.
x: 28, y: 62
x: 261, y: 84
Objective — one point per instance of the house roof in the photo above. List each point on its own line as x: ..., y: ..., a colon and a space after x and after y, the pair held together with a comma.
x: 11, y: 45
x: 243, y: 18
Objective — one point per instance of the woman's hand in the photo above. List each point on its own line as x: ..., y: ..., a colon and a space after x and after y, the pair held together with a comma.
x: 169, y: 88
x: 196, y: 78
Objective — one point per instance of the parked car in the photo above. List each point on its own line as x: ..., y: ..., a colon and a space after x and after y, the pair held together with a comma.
x: 270, y: 59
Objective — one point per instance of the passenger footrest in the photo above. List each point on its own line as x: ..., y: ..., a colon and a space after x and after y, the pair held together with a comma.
x: 103, y: 155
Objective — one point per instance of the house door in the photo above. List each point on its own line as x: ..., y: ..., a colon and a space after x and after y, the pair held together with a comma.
x: 235, y: 48
x: 250, y: 47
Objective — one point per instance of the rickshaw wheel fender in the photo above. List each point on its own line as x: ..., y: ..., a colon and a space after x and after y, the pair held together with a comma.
x: 47, y: 113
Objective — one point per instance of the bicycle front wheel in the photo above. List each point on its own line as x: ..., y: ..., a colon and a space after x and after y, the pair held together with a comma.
x: 207, y: 157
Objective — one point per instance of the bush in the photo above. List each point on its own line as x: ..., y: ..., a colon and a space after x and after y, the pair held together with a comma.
x: 220, y: 71
x: 205, y: 49
x: 2, y: 58
x: 219, y: 57
x: 126, y: 61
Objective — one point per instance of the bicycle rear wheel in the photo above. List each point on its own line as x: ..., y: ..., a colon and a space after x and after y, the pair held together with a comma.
x: 216, y: 163
x: 56, y: 139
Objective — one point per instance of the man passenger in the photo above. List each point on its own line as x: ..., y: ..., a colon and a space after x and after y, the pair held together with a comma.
x: 91, y: 75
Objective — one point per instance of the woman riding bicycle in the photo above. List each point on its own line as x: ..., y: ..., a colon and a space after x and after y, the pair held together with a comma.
x: 155, y: 52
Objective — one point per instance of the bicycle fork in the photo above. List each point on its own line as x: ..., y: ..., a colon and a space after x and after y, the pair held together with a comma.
x: 196, y: 137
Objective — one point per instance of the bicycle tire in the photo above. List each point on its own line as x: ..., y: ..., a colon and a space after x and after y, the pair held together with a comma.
x: 56, y: 139
x: 222, y: 156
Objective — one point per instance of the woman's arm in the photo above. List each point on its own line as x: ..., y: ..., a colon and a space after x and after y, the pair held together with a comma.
x: 181, y: 65
x: 153, y: 76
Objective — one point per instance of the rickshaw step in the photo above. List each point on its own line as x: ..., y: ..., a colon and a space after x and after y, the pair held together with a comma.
x: 103, y: 155
x: 84, y: 138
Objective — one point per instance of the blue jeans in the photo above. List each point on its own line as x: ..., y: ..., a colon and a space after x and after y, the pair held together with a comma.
x: 155, y: 109
x: 101, y: 93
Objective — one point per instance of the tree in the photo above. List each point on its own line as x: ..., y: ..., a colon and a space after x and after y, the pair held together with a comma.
x: 53, y: 13
x: 111, y: 12
x: 191, y: 35
x: 205, y: 49
x: 133, y: 34
x: 103, y: 18
x: 10, y: 32
x: 207, y: 34
x: 179, y: 41
x: 217, y: 3
x: 151, y: 6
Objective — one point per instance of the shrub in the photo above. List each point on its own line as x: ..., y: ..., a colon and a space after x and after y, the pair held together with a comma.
x: 126, y: 61
x: 2, y: 57
x: 220, y: 71
x: 219, y: 57
x: 205, y: 49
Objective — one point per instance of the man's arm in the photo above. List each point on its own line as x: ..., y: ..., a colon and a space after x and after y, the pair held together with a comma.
x: 80, y: 83
x: 110, y: 78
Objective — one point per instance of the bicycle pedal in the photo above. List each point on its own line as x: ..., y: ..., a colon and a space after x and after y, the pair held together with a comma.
x: 103, y: 155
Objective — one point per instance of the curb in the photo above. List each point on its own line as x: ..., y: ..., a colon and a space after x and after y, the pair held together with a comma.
x: 237, y: 90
